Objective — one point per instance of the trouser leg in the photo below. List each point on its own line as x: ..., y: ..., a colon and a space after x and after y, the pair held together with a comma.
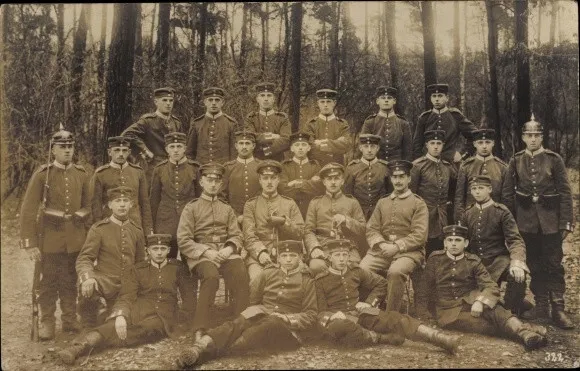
x: 514, y: 295
x: 254, y: 271
x: 188, y: 296
x: 348, y: 333
x: 390, y: 323
x: 397, y: 276
x: 236, y: 276
x: 51, y: 268
x: 67, y: 292
x: 208, y: 275
x: 432, y: 245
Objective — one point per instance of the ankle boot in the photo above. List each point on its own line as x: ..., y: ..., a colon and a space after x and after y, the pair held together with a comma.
x: 541, y: 330
x: 558, y: 316
x: 530, y: 339
x: 201, y: 350
x: 437, y: 337
x: 79, y: 347
x: 46, y: 330
x: 541, y: 312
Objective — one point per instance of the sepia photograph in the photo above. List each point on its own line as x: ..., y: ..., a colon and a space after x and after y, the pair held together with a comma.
x: 290, y: 185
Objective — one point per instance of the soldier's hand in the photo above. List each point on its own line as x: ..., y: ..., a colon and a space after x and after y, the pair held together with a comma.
x: 338, y: 315
x: 338, y: 219
x: 272, y: 136
x: 389, y: 249
x: 88, y: 287
x: 477, y: 308
x: 121, y: 327
x: 265, y: 259
x: 212, y: 255
x: 518, y: 274
x: 362, y: 305
x: 33, y: 253
x: 277, y: 221
x: 457, y: 157
x: 317, y: 254
x: 283, y: 317
x: 225, y: 253
x: 564, y: 233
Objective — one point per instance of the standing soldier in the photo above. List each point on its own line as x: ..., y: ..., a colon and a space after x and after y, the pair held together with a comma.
x: 211, y: 242
x: 120, y: 172
x: 53, y: 219
x: 331, y: 135
x: 448, y: 119
x: 148, y: 132
x: 211, y: 135
x: 332, y: 216
x: 396, y: 234
x: 433, y: 179
x: 393, y: 129
x: 268, y: 218
x: 240, y: 181
x: 537, y: 192
x: 299, y: 179
x: 271, y: 127
x: 367, y: 179
x: 483, y: 163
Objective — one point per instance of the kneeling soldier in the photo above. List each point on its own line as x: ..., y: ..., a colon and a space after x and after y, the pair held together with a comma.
x: 465, y: 296
x: 351, y: 322
x: 147, y: 306
x: 282, y: 310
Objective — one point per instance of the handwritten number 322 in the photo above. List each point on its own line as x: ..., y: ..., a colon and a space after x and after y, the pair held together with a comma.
x: 554, y: 357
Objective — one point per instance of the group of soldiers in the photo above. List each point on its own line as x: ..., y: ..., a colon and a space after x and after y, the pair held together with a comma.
x: 306, y: 245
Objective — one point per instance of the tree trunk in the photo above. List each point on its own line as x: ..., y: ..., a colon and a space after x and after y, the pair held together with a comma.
x: 102, y: 47
x: 381, y: 27
x: 522, y: 67
x: 295, y: 65
x: 456, y: 52
x: 139, y: 43
x: 539, y: 34
x: 244, y: 41
x: 264, y: 21
x: 366, y: 45
x: 344, y: 43
x: 429, y: 60
x: 335, y: 26
x: 493, y: 111
x: 120, y: 70
x: 550, y: 118
x: 231, y: 32
x: 77, y: 67
x: 60, y: 89
x: 283, y: 73
x: 162, y: 45
x: 392, y: 45
x: 152, y: 31
x: 199, y: 69
x: 553, y: 20
x: 463, y: 63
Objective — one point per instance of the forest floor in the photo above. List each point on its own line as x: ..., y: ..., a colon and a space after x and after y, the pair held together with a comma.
x: 476, y: 351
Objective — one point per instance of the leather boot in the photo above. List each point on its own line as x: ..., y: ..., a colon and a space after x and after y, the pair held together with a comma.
x: 558, y: 316
x: 79, y: 347
x: 530, y: 339
x: 197, y: 354
x: 541, y: 312
x: 437, y: 337
x: 46, y: 330
x: 88, y: 310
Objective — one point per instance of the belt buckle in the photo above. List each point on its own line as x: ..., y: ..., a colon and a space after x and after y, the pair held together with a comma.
x: 535, y: 198
x: 215, y: 239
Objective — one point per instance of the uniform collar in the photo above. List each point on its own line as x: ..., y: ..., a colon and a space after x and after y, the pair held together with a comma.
x: 269, y: 113
x: 454, y: 258
x: 270, y: 197
x: 303, y: 162
x: 369, y: 163
x: 165, y: 117
x: 117, y: 221
x: 405, y: 194
x: 117, y: 166
x: 326, y: 118
x: 61, y: 166
x: 245, y: 161
x: 208, y: 198
x: 483, y: 159
x: 532, y: 154
x: 337, y: 272
x: 209, y: 115
x: 434, y: 159
x: 484, y: 205
x: 159, y: 266
x: 442, y: 110
x: 183, y: 159
x: 335, y: 196
x: 292, y: 271
x: 387, y: 115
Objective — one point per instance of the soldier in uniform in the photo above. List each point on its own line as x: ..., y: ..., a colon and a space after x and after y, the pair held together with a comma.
x: 211, y: 135
x: 147, y: 306
x: 174, y: 184
x: 537, y: 192
x: 240, y: 181
x: 349, y: 321
x: 448, y: 119
x: 148, y: 132
x: 120, y: 172
x: 53, y: 228
x: 466, y: 298
x: 396, y: 234
x: 367, y: 179
x: 483, y: 163
x: 495, y: 238
x: 268, y: 218
x: 331, y: 135
x: 210, y: 240
x: 332, y: 216
x: 282, y: 312
x: 299, y: 179
x: 112, y: 247
x: 271, y: 127
x: 393, y: 129
x: 433, y: 179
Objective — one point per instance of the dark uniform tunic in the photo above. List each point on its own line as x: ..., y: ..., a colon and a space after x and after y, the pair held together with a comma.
x: 240, y: 182
x: 336, y: 130
x: 395, y: 132
x: 537, y: 192
x: 68, y: 192
x: 491, y: 166
x: 129, y: 175
x: 367, y: 182
x: 306, y: 170
x: 269, y: 122
x: 450, y: 120
x: 148, y: 301
x: 211, y: 138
